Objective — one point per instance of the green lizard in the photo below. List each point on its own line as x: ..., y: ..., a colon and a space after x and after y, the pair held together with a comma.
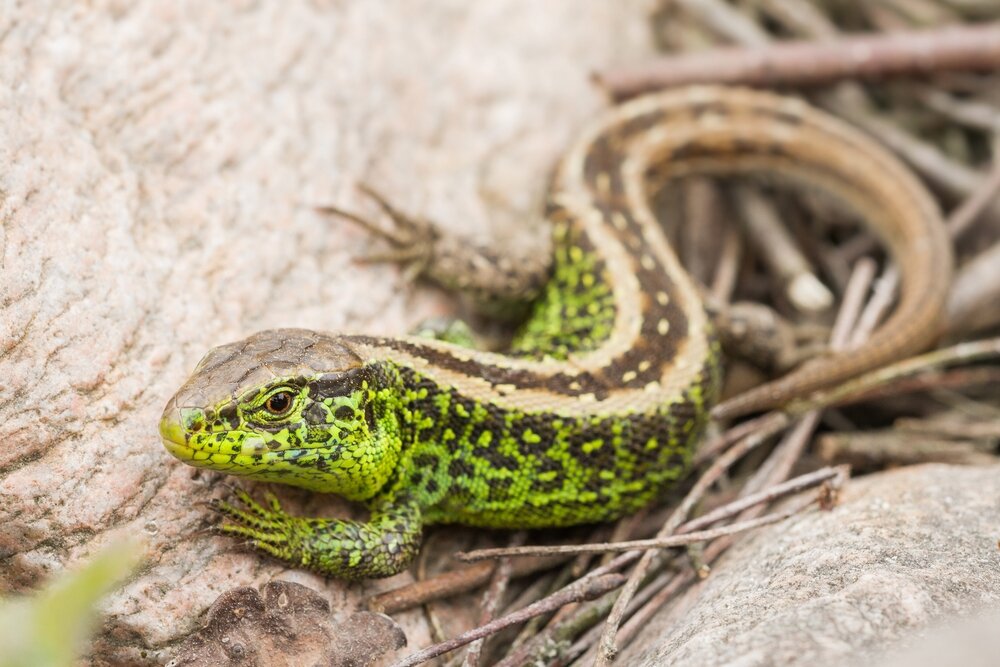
x: 608, y: 385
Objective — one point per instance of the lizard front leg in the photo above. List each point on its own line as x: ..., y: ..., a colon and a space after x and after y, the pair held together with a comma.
x: 380, y: 547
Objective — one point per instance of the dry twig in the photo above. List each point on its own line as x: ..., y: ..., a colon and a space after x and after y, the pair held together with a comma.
x: 450, y: 583
x: 810, y: 63
x: 612, y: 547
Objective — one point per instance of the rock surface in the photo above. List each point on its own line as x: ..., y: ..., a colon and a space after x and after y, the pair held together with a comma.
x: 159, y: 161
x: 904, y: 551
x: 285, y: 624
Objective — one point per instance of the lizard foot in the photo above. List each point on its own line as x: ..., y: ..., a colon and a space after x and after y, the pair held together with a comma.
x: 411, y: 240
x: 269, y: 529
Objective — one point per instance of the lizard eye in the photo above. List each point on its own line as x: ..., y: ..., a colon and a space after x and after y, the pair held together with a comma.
x: 278, y: 404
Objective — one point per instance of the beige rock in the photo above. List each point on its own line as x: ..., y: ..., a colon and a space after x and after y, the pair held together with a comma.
x: 905, y: 551
x: 285, y: 624
x: 158, y: 164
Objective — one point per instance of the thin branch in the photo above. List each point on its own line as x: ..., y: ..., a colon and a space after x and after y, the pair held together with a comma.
x: 860, y: 387
x: 799, y: 63
x: 883, y: 295
x: 945, y: 173
x: 950, y: 428
x: 971, y: 113
x: 612, y: 547
x: 854, y: 300
x: 768, y: 495
x: 728, y: 267
x: 932, y: 380
x: 961, y: 219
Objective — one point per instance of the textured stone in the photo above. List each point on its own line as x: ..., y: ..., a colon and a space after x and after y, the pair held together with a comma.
x: 904, y: 551
x: 158, y: 165
x: 285, y: 624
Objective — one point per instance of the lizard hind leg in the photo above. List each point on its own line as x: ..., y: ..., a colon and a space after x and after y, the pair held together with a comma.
x: 575, y: 311
x: 558, y: 293
x: 411, y: 240
x: 500, y: 282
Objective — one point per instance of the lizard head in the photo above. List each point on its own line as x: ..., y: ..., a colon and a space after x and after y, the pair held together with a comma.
x: 290, y: 406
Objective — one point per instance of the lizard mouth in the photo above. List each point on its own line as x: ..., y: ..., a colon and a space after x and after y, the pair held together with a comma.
x: 182, y: 452
x: 172, y: 433
x: 174, y: 441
